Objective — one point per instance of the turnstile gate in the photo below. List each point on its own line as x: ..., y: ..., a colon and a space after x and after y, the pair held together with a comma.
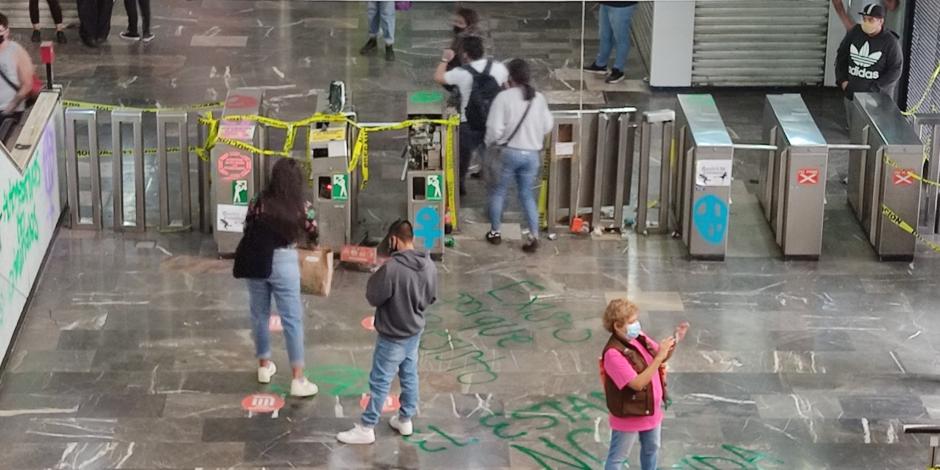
x: 336, y: 190
x: 234, y: 170
x: 424, y: 171
x: 701, y: 186
x: 882, y: 188
x: 792, y: 184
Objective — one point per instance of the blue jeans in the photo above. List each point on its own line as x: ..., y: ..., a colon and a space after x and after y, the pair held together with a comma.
x: 284, y: 285
x: 615, y: 25
x: 381, y: 13
x: 393, y: 356
x: 523, y: 166
x: 621, y: 442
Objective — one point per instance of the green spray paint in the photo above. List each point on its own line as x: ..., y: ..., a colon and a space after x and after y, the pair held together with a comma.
x: 340, y: 380
x: 423, y: 443
x: 18, y: 207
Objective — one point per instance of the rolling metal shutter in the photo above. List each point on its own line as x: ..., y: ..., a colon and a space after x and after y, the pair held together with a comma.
x: 759, y: 42
x: 642, y: 28
x: 925, y: 54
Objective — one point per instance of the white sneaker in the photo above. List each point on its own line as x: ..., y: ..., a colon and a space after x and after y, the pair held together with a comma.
x: 265, y: 373
x: 405, y: 428
x: 359, y: 434
x: 303, y: 388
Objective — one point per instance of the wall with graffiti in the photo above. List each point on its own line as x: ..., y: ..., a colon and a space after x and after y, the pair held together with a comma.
x: 29, y: 210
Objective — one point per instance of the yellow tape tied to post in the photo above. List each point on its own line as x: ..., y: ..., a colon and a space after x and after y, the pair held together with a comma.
x: 895, y: 219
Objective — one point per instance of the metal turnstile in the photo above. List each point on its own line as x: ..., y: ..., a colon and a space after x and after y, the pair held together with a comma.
x: 701, y: 180
x: 930, y: 199
x: 881, y: 178
x: 426, y: 197
x: 234, y: 180
x: 792, y: 185
x: 336, y: 189
x: 663, y: 123
x: 424, y: 171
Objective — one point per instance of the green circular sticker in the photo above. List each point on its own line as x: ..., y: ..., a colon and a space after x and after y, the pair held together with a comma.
x: 427, y: 97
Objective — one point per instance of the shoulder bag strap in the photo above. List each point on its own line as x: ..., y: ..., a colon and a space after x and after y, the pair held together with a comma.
x: 519, y: 125
x: 9, y: 82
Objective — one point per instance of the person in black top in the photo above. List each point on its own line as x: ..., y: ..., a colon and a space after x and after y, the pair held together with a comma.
x: 614, y: 23
x: 869, y: 58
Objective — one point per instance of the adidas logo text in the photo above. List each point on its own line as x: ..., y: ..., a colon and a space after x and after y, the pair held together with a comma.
x: 863, y: 73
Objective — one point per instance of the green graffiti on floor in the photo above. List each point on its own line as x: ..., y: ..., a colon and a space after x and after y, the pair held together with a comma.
x: 739, y: 458
x: 340, y: 380
x: 445, y: 346
x: 429, y: 443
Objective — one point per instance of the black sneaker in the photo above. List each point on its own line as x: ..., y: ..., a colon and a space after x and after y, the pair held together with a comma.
x: 60, y: 37
x: 130, y: 36
x: 615, y: 76
x: 594, y: 68
x: 147, y: 37
x: 494, y: 237
x: 36, y: 37
x: 390, y: 53
x: 370, y: 47
x: 531, y: 246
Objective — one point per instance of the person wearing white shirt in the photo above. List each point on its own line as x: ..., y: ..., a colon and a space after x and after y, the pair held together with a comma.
x: 471, y: 55
x: 518, y: 121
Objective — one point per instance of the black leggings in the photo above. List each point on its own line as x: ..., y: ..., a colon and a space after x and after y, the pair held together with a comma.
x: 131, y: 7
x: 53, y: 7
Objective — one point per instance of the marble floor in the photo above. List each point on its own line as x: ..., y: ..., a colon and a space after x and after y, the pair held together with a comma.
x: 135, y: 352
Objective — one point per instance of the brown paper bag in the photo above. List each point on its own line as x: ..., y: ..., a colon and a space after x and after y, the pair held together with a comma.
x: 316, y: 271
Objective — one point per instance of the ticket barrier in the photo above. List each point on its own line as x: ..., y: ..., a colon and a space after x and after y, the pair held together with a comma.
x: 930, y: 198
x: 234, y: 177
x: 660, y: 122
x: 882, y: 189
x: 335, y: 188
x: 424, y: 171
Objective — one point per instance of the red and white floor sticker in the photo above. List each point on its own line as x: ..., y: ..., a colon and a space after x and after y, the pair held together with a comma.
x: 391, y: 403
x: 258, y: 403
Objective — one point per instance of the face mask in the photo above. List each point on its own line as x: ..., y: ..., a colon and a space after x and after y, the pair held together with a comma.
x: 633, y: 330
x: 2, y: 38
x: 458, y: 29
x: 870, y: 28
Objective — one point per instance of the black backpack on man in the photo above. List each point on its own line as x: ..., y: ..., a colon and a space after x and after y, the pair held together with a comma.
x: 484, y: 91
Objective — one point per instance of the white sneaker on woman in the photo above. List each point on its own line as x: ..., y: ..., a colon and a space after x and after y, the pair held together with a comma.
x: 405, y: 428
x: 265, y: 373
x: 303, y: 388
x: 359, y: 434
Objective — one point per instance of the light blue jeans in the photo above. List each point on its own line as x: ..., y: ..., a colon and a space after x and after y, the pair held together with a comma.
x: 615, y: 25
x: 523, y: 166
x: 381, y: 13
x: 284, y: 285
x: 621, y: 442
x: 393, y: 356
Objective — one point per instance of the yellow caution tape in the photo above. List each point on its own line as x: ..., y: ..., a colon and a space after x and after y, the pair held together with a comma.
x: 449, y: 176
x: 895, y: 219
x: 151, y: 109
x: 890, y: 162
x: 930, y: 84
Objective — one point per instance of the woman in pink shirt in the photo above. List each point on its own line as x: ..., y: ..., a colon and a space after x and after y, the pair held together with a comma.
x: 633, y: 384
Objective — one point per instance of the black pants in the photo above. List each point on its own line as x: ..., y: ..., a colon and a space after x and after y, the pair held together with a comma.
x: 95, y: 16
x: 470, y: 141
x: 54, y: 7
x: 131, y: 7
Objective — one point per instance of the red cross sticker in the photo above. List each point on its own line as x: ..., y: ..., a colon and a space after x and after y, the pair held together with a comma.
x: 807, y: 176
x: 903, y: 177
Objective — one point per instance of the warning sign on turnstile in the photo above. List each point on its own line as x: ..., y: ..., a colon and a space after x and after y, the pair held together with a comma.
x: 805, y: 176
x: 240, y: 192
x: 713, y: 173
x: 340, y: 190
x: 432, y: 188
x: 903, y: 177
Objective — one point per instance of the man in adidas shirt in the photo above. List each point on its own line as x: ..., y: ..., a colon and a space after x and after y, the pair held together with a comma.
x: 869, y: 58
x: 849, y: 11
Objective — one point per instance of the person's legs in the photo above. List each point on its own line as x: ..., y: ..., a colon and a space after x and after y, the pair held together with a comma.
x: 259, y: 303
x: 372, y: 17
x: 649, y: 448
x: 131, y: 7
x: 103, y: 28
x: 470, y: 141
x: 606, y: 37
x: 34, y: 13
x: 285, y: 285
x: 408, y: 378
x: 386, y: 359
x: 526, y: 173
x: 620, y: 444
x: 388, y: 21
x: 56, y: 11
x: 621, y: 19
x: 497, y: 190
x: 144, y: 16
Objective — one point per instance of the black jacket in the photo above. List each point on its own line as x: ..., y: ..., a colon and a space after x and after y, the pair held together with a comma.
x: 869, y: 64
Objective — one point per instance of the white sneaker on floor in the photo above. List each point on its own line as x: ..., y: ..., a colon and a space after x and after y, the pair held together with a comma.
x: 359, y: 434
x: 405, y: 428
x: 265, y: 373
x: 303, y: 388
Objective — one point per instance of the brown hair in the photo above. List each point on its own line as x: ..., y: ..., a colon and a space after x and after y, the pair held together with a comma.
x: 618, y: 310
x: 283, y: 199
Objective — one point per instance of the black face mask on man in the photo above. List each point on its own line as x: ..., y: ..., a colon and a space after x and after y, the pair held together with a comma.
x: 2, y: 38
x: 458, y: 29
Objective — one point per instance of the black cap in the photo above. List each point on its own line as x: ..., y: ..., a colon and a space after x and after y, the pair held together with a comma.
x: 874, y: 10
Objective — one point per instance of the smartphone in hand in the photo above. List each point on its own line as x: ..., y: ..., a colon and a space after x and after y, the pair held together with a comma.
x: 681, y: 330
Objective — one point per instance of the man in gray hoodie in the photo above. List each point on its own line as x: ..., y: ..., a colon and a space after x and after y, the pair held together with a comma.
x: 401, y: 291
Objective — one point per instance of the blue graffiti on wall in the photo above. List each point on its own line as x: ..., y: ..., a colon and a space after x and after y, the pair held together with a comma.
x: 710, y: 216
x: 429, y: 229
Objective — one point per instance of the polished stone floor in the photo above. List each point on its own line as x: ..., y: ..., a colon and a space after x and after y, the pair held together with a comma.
x: 135, y: 352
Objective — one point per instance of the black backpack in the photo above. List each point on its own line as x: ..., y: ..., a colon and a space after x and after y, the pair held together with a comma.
x: 482, y: 94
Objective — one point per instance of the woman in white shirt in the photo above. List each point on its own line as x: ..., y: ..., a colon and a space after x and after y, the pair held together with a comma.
x: 517, y: 123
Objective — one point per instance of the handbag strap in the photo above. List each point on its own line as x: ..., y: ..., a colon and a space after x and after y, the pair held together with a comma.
x: 519, y: 125
x: 9, y: 82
